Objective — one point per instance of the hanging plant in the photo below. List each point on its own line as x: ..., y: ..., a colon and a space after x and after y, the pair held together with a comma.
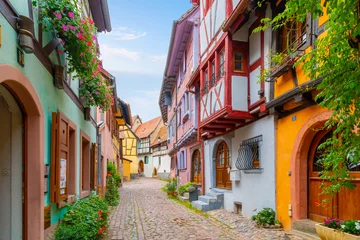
x: 67, y: 20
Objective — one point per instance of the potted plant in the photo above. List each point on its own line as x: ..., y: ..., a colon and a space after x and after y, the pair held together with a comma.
x: 336, y: 229
x: 171, y: 187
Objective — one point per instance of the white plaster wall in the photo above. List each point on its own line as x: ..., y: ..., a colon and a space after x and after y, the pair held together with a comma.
x: 239, y: 93
x: 255, y: 85
x: 235, y: 3
x: 220, y: 9
x: 254, y: 47
x: 148, y: 168
x: 255, y: 190
x: 165, y: 163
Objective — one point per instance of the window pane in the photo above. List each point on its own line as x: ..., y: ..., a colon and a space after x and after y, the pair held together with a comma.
x: 238, y: 66
x: 238, y: 56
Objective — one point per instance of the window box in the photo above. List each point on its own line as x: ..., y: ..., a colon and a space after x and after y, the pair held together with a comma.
x: 332, y: 234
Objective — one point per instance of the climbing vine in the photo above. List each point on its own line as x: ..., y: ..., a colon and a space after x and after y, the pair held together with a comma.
x: 334, y: 57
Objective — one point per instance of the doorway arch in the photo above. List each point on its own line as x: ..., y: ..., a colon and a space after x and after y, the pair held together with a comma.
x: 141, y: 166
x: 299, y: 164
x: 25, y: 95
x: 196, y: 167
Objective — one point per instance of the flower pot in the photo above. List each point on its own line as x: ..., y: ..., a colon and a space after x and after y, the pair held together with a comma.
x: 87, y: 114
x: 169, y: 193
x: 59, y: 76
x: 326, y: 233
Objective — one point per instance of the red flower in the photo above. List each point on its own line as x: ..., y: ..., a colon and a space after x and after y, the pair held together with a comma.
x: 80, y: 36
x: 91, y: 21
x: 89, y: 43
x: 109, y: 174
x: 103, y: 228
x: 100, y: 231
x: 100, y: 212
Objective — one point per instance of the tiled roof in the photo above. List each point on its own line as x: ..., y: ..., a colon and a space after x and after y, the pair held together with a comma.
x: 145, y: 129
x: 125, y: 110
x: 162, y: 134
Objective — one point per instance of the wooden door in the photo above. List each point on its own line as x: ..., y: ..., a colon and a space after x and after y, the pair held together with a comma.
x: 222, y: 165
x: 342, y: 205
x: 141, y: 166
x: 196, y: 166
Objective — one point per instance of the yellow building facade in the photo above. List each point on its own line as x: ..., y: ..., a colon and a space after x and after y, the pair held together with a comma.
x: 299, y: 132
x: 129, y: 141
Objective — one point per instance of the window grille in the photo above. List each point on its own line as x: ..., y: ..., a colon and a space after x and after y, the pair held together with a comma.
x: 249, y: 154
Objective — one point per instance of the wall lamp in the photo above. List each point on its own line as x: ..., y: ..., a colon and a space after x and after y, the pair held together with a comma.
x: 25, y: 26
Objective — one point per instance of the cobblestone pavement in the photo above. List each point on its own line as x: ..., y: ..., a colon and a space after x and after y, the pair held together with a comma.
x: 145, y: 212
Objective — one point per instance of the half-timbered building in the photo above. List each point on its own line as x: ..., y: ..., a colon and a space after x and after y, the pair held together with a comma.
x: 178, y: 104
x: 235, y: 129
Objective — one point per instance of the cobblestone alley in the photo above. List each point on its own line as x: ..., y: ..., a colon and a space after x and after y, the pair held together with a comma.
x: 145, y: 212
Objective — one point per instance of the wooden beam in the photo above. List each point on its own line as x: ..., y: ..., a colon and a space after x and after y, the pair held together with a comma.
x: 221, y: 125
x: 211, y: 130
x: 230, y: 121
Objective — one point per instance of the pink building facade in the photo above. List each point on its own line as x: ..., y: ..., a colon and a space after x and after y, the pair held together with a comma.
x: 178, y: 103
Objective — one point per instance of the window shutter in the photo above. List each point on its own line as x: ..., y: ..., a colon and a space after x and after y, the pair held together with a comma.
x: 59, y: 157
x: 94, y: 166
x: 179, y: 160
x: 185, y: 159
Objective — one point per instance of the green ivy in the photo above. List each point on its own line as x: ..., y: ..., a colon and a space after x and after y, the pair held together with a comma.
x: 265, y: 217
x: 85, y: 219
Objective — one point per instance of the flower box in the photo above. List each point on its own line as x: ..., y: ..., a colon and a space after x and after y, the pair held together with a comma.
x: 326, y: 233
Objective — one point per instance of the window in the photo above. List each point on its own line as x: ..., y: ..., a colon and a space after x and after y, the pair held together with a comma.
x: 293, y: 36
x: 146, y: 159
x: 85, y: 164
x: 181, y: 159
x: 238, y: 62
x: 212, y: 80
x: 249, y: 154
x: 143, y: 146
x: 63, y: 159
x: 222, y: 64
x: 94, y: 166
x: 179, y: 115
x: 206, y: 76
x: 159, y: 160
x: 102, y: 116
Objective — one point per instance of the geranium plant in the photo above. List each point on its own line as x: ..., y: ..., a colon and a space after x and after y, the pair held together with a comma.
x: 67, y: 20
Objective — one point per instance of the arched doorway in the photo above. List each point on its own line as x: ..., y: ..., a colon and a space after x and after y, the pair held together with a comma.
x: 196, y: 167
x: 32, y: 149
x: 222, y: 166
x: 141, y: 167
x: 11, y: 160
x: 155, y: 173
x: 342, y: 205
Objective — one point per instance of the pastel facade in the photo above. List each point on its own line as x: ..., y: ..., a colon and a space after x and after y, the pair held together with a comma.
x: 29, y: 105
x: 297, y: 172
x: 178, y: 104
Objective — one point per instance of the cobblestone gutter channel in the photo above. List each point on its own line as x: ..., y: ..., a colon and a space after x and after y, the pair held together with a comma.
x: 145, y: 212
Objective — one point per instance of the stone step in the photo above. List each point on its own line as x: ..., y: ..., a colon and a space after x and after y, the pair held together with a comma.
x: 207, y: 199
x: 200, y: 205
x: 303, y: 235
x: 305, y: 225
x: 186, y: 195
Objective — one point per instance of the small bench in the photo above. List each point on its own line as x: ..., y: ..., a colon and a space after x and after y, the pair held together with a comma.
x: 238, y: 206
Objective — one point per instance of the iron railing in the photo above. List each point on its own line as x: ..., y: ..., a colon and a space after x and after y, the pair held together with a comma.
x: 249, y: 154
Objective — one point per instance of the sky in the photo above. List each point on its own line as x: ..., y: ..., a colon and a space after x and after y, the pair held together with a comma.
x: 135, y: 51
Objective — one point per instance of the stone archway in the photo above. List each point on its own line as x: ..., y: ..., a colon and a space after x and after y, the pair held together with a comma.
x: 23, y: 91
x: 299, y: 164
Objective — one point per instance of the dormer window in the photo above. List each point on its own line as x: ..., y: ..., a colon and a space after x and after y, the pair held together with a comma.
x: 293, y: 36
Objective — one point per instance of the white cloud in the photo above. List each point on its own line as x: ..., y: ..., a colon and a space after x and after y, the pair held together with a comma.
x: 124, y: 60
x: 145, y: 103
x: 124, y: 34
x: 160, y: 58
x: 106, y: 50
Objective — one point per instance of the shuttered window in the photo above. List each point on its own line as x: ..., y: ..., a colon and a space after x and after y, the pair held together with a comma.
x: 85, y: 164
x: 63, y: 158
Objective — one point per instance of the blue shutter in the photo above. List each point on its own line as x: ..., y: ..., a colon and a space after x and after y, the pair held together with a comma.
x: 185, y: 158
x: 178, y: 160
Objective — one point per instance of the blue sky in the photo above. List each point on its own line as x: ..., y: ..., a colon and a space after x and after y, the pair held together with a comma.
x: 135, y: 51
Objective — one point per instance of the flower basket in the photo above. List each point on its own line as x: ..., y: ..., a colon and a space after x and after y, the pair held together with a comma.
x: 26, y: 33
x: 326, y: 233
x: 59, y: 76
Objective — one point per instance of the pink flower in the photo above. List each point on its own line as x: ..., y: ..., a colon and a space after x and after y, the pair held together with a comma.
x: 97, y: 93
x: 99, y: 68
x: 58, y: 15
x: 93, y: 37
x: 71, y: 15
x: 82, y: 54
x: 83, y: 21
x: 89, y: 43
x: 80, y: 36
x: 90, y: 21
x: 64, y: 27
x: 72, y: 27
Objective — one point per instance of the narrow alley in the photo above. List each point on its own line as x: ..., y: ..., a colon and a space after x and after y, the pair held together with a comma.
x: 145, y: 212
